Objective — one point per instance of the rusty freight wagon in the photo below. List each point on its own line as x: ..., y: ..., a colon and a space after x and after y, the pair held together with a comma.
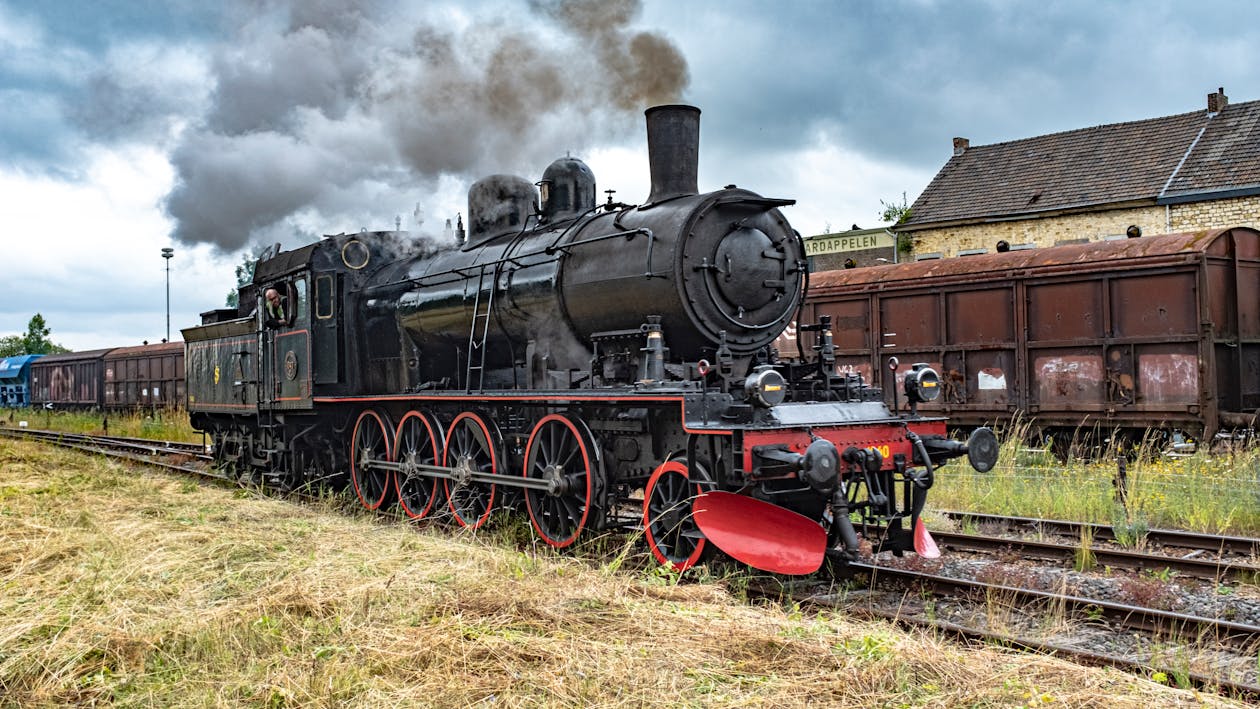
x: 142, y: 377
x: 145, y: 377
x: 69, y: 380
x: 1156, y: 332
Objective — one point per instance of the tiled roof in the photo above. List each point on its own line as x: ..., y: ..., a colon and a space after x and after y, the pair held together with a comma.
x: 1120, y: 162
x: 1226, y: 157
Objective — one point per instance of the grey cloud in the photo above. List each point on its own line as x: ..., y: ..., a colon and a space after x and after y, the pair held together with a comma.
x: 896, y: 80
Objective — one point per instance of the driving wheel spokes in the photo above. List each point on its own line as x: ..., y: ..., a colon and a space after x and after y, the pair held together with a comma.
x: 370, y: 444
x: 470, y: 448
x: 671, y: 532
x: 416, y: 444
x: 561, y: 452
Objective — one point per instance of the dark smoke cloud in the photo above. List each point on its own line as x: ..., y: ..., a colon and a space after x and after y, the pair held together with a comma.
x: 323, y: 108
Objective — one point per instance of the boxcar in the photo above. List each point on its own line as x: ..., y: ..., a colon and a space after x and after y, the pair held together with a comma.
x: 15, y: 380
x: 149, y: 376
x: 72, y: 379
x: 1161, y: 331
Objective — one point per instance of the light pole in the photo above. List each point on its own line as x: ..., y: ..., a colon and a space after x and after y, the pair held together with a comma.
x: 168, y: 253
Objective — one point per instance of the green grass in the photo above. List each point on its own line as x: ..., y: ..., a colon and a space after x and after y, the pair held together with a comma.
x: 121, y: 587
x: 161, y: 424
x: 1212, y: 493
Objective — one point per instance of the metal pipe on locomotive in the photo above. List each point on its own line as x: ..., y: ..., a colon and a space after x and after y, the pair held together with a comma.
x: 606, y: 365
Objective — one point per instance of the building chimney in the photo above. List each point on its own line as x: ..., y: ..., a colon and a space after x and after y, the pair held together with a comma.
x: 1217, y: 101
x: 673, y: 134
x: 961, y: 145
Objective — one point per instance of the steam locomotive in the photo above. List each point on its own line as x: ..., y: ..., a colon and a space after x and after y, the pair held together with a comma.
x: 598, y: 365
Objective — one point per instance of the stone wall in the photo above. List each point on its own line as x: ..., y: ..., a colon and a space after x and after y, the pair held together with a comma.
x: 1238, y: 211
x: 1089, y: 226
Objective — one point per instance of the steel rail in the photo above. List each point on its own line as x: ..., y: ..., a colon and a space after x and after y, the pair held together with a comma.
x: 1150, y: 620
x: 151, y: 446
x: 1247, y: 546
x: 908, y: 619
x: 1219, y: 570
x: 1200, y: 681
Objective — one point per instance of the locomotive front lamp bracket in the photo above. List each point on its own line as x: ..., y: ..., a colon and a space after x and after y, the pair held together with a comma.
x: 922, y: 384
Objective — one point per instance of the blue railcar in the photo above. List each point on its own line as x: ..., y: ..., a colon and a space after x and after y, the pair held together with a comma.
x: 15, y: 380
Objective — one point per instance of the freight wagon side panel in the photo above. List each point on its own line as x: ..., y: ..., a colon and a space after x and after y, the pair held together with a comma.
x: 911, y: 330
x: 1153, y: 357
x: 980, y: 370
x: 1065, y: 367
x: 1233, y: 286
x: 1248, y: 304
x: 852, y: 334
x: 150, y: 376
x: 69, y: 380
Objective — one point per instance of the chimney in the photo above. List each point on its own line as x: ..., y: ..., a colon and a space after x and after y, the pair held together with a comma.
x: 673, y: 134
x: 961, y: 145
x: 1217, y: 101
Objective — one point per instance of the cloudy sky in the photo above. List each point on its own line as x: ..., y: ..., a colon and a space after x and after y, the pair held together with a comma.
x: 218, y: 128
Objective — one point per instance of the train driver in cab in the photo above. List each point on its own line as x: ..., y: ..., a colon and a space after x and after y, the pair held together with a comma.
x: 274, y: 308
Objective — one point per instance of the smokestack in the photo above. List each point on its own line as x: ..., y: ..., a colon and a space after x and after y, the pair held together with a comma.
x: 673, y: 150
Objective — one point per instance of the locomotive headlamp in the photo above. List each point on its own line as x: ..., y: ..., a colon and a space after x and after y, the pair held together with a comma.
x: 922, y: 384
x: 765, y: 386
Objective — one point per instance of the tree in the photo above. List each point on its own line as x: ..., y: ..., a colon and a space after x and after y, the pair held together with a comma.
x: 244, y: 275
x: 35, y: 341
x: 894, y: 212
x: 898, y: 213
x: 11, y: 346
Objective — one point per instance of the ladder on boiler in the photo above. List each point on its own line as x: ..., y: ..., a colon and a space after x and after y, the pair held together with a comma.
x: 481, y: 318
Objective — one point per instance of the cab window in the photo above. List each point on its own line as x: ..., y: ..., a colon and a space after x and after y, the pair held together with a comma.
x: 323, y: 297
x: 300, y: 300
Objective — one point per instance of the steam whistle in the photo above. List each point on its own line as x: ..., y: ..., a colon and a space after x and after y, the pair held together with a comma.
x: 652, y: 369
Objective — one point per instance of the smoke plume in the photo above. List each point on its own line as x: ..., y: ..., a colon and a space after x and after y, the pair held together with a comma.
x: 324, y: 110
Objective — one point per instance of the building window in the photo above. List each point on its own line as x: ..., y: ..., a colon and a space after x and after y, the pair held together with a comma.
x: 972, y: 252
x: 928, y: 257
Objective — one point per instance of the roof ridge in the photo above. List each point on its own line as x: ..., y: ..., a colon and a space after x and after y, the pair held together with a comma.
x: 1157, y: 119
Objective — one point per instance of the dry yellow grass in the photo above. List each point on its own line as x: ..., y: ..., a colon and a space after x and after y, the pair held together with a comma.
x: 127, y: 588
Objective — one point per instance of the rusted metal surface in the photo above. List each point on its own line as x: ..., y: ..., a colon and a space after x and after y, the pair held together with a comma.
x: 71, y: 379
x: 1155, y: 331
x: 149, y: 376
x: 1128, y: 252
x: 114, y: 378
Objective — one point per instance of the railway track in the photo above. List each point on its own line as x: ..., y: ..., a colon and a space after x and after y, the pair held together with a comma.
x: 1220, y: 570
x: 1221, y: 544
x: 193, y: 459
x: 172, y: 455
x: 1130, y: 617
x: 1149, y: 667
x: 1086, y: 633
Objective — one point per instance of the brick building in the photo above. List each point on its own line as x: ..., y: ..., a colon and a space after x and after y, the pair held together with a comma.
x: 1162, y: 175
